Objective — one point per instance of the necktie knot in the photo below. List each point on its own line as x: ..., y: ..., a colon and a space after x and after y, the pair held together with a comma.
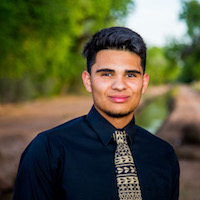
x: 120, y: 137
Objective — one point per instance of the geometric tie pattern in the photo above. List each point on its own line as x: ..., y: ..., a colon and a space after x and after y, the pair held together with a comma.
x: 126, y: 174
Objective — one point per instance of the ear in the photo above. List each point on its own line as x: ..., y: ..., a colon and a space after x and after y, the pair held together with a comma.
x: 145, y: 82
x: 87, y: 81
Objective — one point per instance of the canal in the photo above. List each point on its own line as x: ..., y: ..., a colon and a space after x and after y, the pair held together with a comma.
x: 153, y: 114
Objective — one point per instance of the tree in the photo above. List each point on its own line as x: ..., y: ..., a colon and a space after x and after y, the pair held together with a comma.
x: 160, y: 68
x: 41, y: 42
x: 187, y: 53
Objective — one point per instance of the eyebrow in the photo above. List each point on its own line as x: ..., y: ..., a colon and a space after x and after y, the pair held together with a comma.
x: 104, y: 70
x: 133, y: 71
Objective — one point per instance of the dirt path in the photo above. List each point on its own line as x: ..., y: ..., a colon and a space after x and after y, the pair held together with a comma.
x: 20, y: 123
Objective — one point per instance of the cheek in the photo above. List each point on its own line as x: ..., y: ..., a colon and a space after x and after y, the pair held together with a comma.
x: 99, y: 86
x: 96, y: 91
x: 136, y: 86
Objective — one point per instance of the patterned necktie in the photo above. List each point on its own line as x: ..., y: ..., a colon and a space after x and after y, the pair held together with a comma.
x: 127, y: 180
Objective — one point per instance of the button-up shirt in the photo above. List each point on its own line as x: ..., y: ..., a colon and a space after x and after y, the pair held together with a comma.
x: 75, y: 161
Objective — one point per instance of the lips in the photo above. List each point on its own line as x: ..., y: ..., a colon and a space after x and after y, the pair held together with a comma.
x: 119, y: 98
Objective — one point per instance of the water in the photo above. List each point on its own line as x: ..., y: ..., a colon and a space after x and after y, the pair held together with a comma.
x: 152, y: 115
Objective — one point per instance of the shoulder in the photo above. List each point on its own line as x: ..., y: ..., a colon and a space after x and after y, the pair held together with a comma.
x: 52, y: 140
x: 153, y: 142
x: 68, y: 126
x: 66, y: 130
x: 155, y: 148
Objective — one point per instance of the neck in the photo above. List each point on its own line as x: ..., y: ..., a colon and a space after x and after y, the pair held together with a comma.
x: 117, y: 122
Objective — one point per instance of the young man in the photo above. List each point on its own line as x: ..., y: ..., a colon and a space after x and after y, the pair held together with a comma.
x: 103, y: 155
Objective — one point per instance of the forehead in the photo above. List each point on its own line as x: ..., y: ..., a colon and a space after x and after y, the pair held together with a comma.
x: 117, y: 60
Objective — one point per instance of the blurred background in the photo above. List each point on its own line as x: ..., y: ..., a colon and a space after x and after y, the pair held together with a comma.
x: 41, y: 44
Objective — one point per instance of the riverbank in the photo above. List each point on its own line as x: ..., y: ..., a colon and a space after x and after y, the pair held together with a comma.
x: 182, y: 130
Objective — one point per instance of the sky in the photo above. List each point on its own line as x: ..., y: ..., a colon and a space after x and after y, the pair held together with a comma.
x: 156, y: 21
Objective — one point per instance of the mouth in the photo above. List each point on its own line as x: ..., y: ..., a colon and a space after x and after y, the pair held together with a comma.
x: 119, y: 98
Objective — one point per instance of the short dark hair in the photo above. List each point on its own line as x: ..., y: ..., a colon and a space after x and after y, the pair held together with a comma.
x: 119, y: 38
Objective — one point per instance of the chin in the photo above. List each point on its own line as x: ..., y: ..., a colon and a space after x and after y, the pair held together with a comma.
x: 118, y: 114
x: 115, y: 112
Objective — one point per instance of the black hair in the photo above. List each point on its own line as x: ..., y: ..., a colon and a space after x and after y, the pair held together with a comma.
x: 119, y: 38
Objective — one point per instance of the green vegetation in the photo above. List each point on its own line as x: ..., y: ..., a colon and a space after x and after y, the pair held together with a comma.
x: 41, y: 43
x: 186, y: 52
x: 159, y: 68
x: 179, y: 61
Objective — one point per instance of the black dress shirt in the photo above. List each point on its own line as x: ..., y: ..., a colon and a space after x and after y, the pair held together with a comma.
x: 75, y: 161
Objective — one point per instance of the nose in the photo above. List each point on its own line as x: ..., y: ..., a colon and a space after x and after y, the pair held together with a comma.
x: 119, y: 84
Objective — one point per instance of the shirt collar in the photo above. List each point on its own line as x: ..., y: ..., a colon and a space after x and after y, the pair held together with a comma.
x: 105, y: 129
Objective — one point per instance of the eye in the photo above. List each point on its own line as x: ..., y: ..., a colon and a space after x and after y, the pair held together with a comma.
x: 130, y: 75
x: 106, y: 74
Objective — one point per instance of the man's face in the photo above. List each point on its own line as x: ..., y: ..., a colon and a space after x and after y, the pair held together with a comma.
x: 116, y: 82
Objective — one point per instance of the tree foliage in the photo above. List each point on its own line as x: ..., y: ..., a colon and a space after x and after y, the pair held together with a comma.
x: 187, y: 53
x: 159, y: 68
x: 41, y: 43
